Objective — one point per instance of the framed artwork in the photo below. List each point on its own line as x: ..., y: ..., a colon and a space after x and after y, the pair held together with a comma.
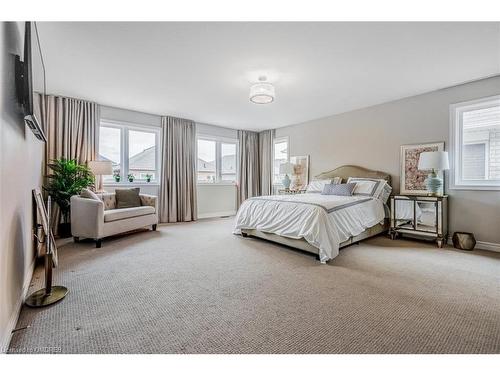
x: 412, y: 180
x: 300, y: 175
x: 44, y: 219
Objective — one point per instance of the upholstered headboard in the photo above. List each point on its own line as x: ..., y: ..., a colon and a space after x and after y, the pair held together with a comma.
x: 346, y: 171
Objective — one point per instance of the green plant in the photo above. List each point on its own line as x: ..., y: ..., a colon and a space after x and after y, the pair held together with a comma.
x: 148, y: 177
x: 116, y: 175
x: 130, y: 177
x: 68, y: 178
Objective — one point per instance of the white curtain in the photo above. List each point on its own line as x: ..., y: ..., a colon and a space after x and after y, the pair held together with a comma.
x: 266, y: 138
x: 177, y: 201
x: 248, y: 165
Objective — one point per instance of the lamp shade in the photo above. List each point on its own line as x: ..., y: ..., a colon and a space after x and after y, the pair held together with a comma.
x: 101, y: 167
x: 437, y: 160
x: 286, y: 168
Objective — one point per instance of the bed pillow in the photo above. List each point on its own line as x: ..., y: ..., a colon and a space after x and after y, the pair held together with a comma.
x: 373, y: 187
x: 339, y: 189
x: 316, y: 186
x: 127, y: 198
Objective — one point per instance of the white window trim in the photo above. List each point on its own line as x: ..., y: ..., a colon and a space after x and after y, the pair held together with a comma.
x: 456, y: 182
x: 218, y: 154
x: 124, y: 148
x: 279, y: 140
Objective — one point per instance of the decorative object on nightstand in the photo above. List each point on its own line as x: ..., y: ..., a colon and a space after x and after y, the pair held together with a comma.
x: 300, y: 174
x: 286, y: 168
x: 291, y: 191
x: 420, y: 216
x: 100, y: 168
x: 412, y: 179
x: 435, y: 161
x: 464, y: 241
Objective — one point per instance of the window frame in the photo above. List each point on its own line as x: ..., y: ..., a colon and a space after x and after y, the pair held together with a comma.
x: 218, y: 158
x: 125, y: 127
x: 280, y: 140
x: 456, y: 139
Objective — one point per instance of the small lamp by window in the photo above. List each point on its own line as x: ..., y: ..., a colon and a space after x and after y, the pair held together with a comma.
x: 100, y: 168
x: 434, y: 161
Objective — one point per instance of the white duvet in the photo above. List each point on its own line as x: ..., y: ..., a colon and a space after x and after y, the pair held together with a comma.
x: 325, y: 221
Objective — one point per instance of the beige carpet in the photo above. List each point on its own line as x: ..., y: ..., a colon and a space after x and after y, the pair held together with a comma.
x: 196, y: 288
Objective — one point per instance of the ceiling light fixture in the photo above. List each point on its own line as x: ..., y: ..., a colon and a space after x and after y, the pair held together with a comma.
x: 262, y: 92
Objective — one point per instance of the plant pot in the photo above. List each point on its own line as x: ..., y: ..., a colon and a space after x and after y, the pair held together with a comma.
x: 117, y: 179
x: 64, y: 230
x: 148, y: 180
x: 130, y: 180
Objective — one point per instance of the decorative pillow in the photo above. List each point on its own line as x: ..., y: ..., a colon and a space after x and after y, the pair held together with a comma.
x: 339, y: 189
x: 109, y: 200
x: 337, y: 180
x: 89, y: 194
x: 127, y: 198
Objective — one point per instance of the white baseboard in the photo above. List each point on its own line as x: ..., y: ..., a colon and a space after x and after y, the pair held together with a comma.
x: 491, y: 246
x: 11, y: 325
x: 482, y: 245
x: 216, y: 214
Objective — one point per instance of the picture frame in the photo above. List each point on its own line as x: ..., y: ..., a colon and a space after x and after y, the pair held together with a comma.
x: 45, y: 221
x: 300, y: 175
x: 412, y: 180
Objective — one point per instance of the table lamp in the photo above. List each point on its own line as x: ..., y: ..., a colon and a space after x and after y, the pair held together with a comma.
x: 434, y: 161
x: 100, y: 168
x: 285, y: 169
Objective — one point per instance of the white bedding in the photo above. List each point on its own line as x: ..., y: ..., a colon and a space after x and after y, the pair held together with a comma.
x: 324, y: 221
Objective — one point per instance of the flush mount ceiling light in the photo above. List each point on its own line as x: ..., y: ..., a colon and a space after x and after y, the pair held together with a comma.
x: 262, y: 92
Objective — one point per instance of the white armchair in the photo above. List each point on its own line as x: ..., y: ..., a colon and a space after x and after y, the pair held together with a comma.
x: 96, y: 219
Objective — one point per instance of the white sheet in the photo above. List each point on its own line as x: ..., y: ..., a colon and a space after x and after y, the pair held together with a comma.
x: 322, y: 220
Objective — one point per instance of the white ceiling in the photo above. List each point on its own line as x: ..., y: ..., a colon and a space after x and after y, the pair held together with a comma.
x: 203, y: 71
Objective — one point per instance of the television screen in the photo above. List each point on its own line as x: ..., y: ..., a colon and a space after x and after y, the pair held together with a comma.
x: 24, y: 85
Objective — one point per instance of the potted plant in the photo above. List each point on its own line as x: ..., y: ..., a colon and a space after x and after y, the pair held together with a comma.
x: 130, y: 177
x: 116, y: 175
x: 148, y: 177
x: 68, y: 178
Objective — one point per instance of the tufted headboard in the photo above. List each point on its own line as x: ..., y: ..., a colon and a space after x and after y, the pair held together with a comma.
x: 346, y: 171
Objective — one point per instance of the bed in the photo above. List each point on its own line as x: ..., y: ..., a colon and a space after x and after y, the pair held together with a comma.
x: 316, y: 223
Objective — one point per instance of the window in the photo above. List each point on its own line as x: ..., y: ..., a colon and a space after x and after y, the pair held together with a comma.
x: 281, y: 156
x: 132, y: 149
x: 216, y: 160
x: 475, y: 137
x: 142, y: 154
x: 110, y: 148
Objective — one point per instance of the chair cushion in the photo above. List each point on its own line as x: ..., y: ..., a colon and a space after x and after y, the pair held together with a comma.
x: 126, y: 213
x: 126, y: 198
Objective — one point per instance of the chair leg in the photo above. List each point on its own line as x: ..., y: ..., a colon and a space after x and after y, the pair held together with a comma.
x: 154, y: 226
x: 98, y: 243
x: 76, y: 239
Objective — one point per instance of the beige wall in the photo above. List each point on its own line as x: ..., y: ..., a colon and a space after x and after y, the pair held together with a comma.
x: 20, y: 172
x: 371, y: 137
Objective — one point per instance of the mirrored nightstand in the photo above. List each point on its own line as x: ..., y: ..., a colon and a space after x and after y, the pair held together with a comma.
x: 420, y: 216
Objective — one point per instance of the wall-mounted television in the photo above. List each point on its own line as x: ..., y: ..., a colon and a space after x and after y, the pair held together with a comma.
x: 24, y: 86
